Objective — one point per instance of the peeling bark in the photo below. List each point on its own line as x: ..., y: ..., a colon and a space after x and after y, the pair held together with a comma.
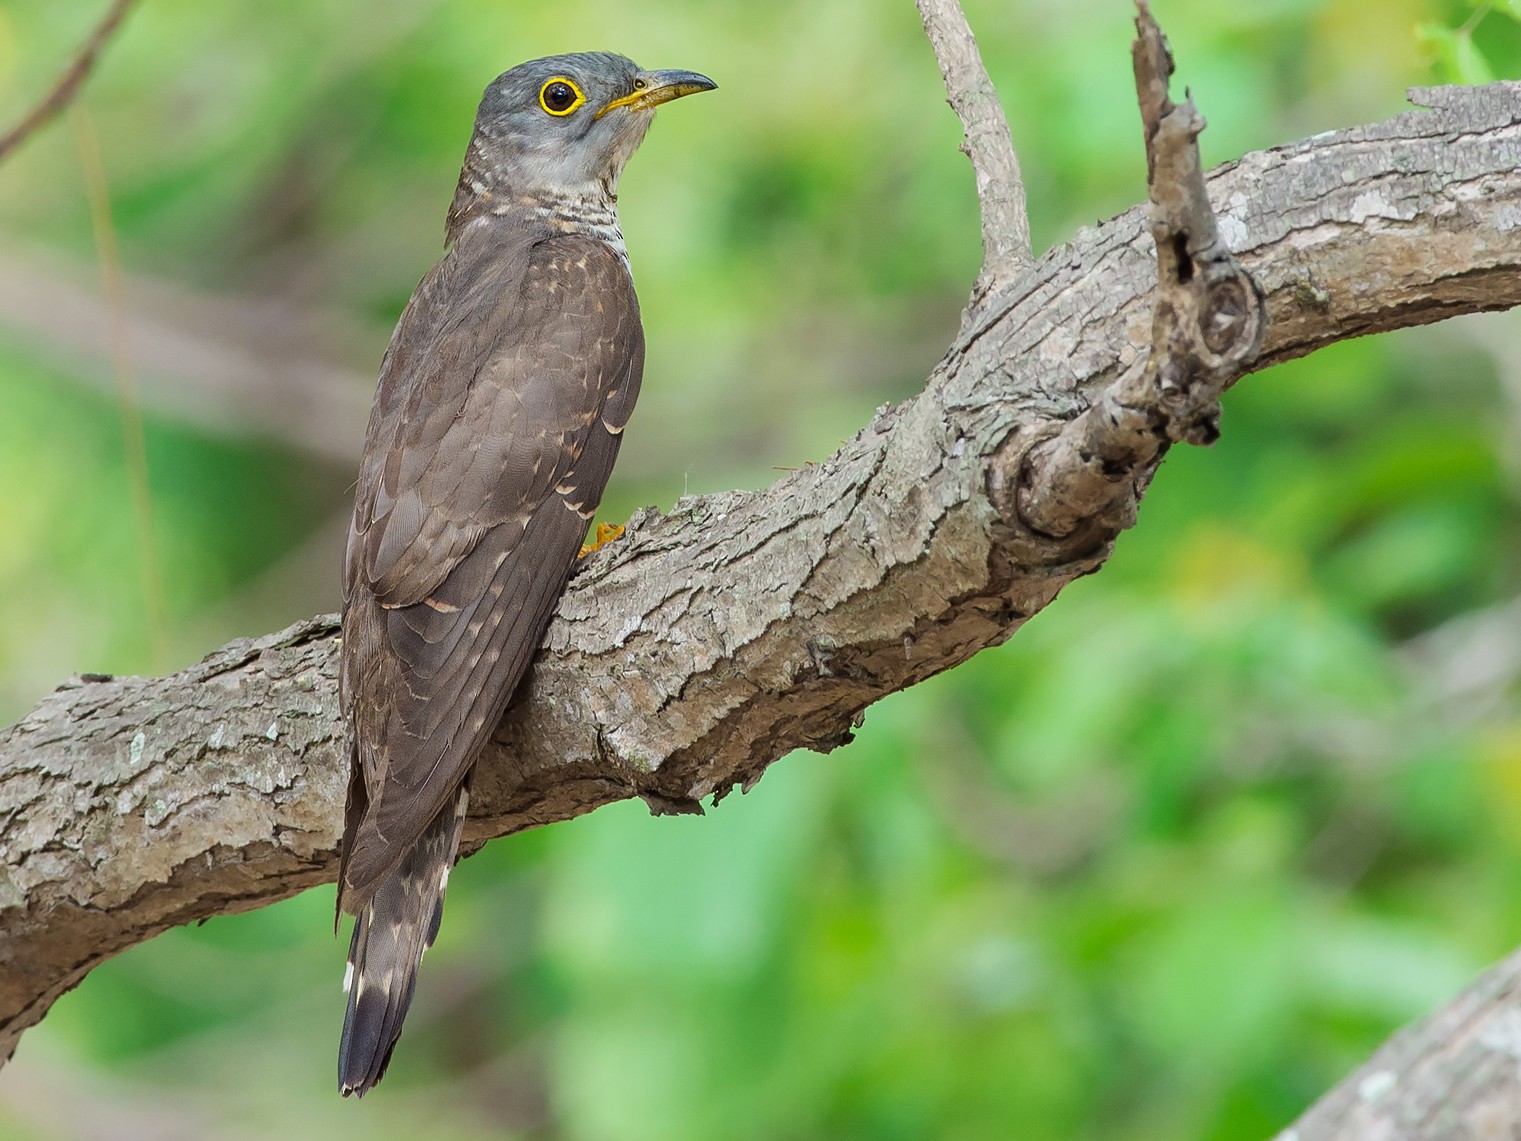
x: 709, y: 642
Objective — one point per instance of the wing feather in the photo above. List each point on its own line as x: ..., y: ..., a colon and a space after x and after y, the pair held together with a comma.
x: 495, y: 429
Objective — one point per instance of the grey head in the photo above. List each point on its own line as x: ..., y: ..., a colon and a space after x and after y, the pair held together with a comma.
x: 557, y: 132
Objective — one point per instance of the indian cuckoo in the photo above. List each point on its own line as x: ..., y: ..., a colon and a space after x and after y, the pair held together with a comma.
x: 498, y: 414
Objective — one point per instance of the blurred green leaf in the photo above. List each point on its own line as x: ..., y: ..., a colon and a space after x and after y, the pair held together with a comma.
x: 1459, y: 59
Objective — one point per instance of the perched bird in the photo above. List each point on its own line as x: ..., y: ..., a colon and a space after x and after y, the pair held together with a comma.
x: 501, y: 403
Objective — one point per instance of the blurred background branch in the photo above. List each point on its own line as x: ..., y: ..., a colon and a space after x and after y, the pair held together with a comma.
x: 256, y: 365
x: 70, y: 82
x: 1453, y: 1075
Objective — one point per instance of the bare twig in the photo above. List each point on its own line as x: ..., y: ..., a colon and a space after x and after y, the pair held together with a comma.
x: 70, y: 81
x: 1000, y: 190
x: 1208, y: 323
x: 1209, y: 319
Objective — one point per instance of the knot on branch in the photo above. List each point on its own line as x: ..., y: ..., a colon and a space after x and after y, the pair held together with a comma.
x: 1214, y: 310
x: 1207, y: 329
x: 1074, y: 483
x: 1232, y: 317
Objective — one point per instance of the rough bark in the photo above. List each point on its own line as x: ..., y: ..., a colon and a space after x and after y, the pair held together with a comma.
x: 710, y: 641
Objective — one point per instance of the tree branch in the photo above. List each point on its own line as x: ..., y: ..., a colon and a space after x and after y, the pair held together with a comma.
x: 1450, y: 1077
x: 69, y: 82
x: 130, y: 805
x: 988, y: 143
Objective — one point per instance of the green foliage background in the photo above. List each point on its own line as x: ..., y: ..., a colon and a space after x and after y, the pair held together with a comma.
x: 1166, y: 866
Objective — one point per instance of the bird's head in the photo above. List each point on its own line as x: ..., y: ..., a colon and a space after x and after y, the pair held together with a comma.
x: 564, y: 126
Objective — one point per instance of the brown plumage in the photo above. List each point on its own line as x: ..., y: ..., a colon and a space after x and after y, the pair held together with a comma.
x: 498, y: 415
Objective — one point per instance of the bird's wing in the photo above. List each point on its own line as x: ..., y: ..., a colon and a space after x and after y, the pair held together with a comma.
x: 502, y: 402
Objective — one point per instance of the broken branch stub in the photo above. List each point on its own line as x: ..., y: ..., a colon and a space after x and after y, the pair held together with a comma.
x: 1208, y: 321
x: 1210, y: 316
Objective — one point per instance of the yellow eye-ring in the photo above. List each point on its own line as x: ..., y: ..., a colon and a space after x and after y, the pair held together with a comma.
x: 560, y: 96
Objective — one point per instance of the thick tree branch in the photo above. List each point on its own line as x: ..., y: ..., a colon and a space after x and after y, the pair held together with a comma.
x: 70, y: 81
x: 988, y: 143
x: 131, y: 805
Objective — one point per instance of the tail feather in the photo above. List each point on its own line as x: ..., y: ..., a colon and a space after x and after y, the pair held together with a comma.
x: 392, y: 931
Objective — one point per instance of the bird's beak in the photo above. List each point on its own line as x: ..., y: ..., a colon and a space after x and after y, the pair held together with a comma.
x: 653, y: 88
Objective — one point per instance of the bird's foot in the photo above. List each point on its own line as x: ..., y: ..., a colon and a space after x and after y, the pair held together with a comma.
x: 606, y: 533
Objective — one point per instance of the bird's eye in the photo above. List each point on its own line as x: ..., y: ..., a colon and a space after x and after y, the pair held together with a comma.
x: 560, y: 96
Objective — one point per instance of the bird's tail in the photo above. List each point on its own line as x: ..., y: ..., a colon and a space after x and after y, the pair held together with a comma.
x: 391, y: 932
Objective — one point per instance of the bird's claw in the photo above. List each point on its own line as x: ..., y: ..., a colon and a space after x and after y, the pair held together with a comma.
x: 606, y: 533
